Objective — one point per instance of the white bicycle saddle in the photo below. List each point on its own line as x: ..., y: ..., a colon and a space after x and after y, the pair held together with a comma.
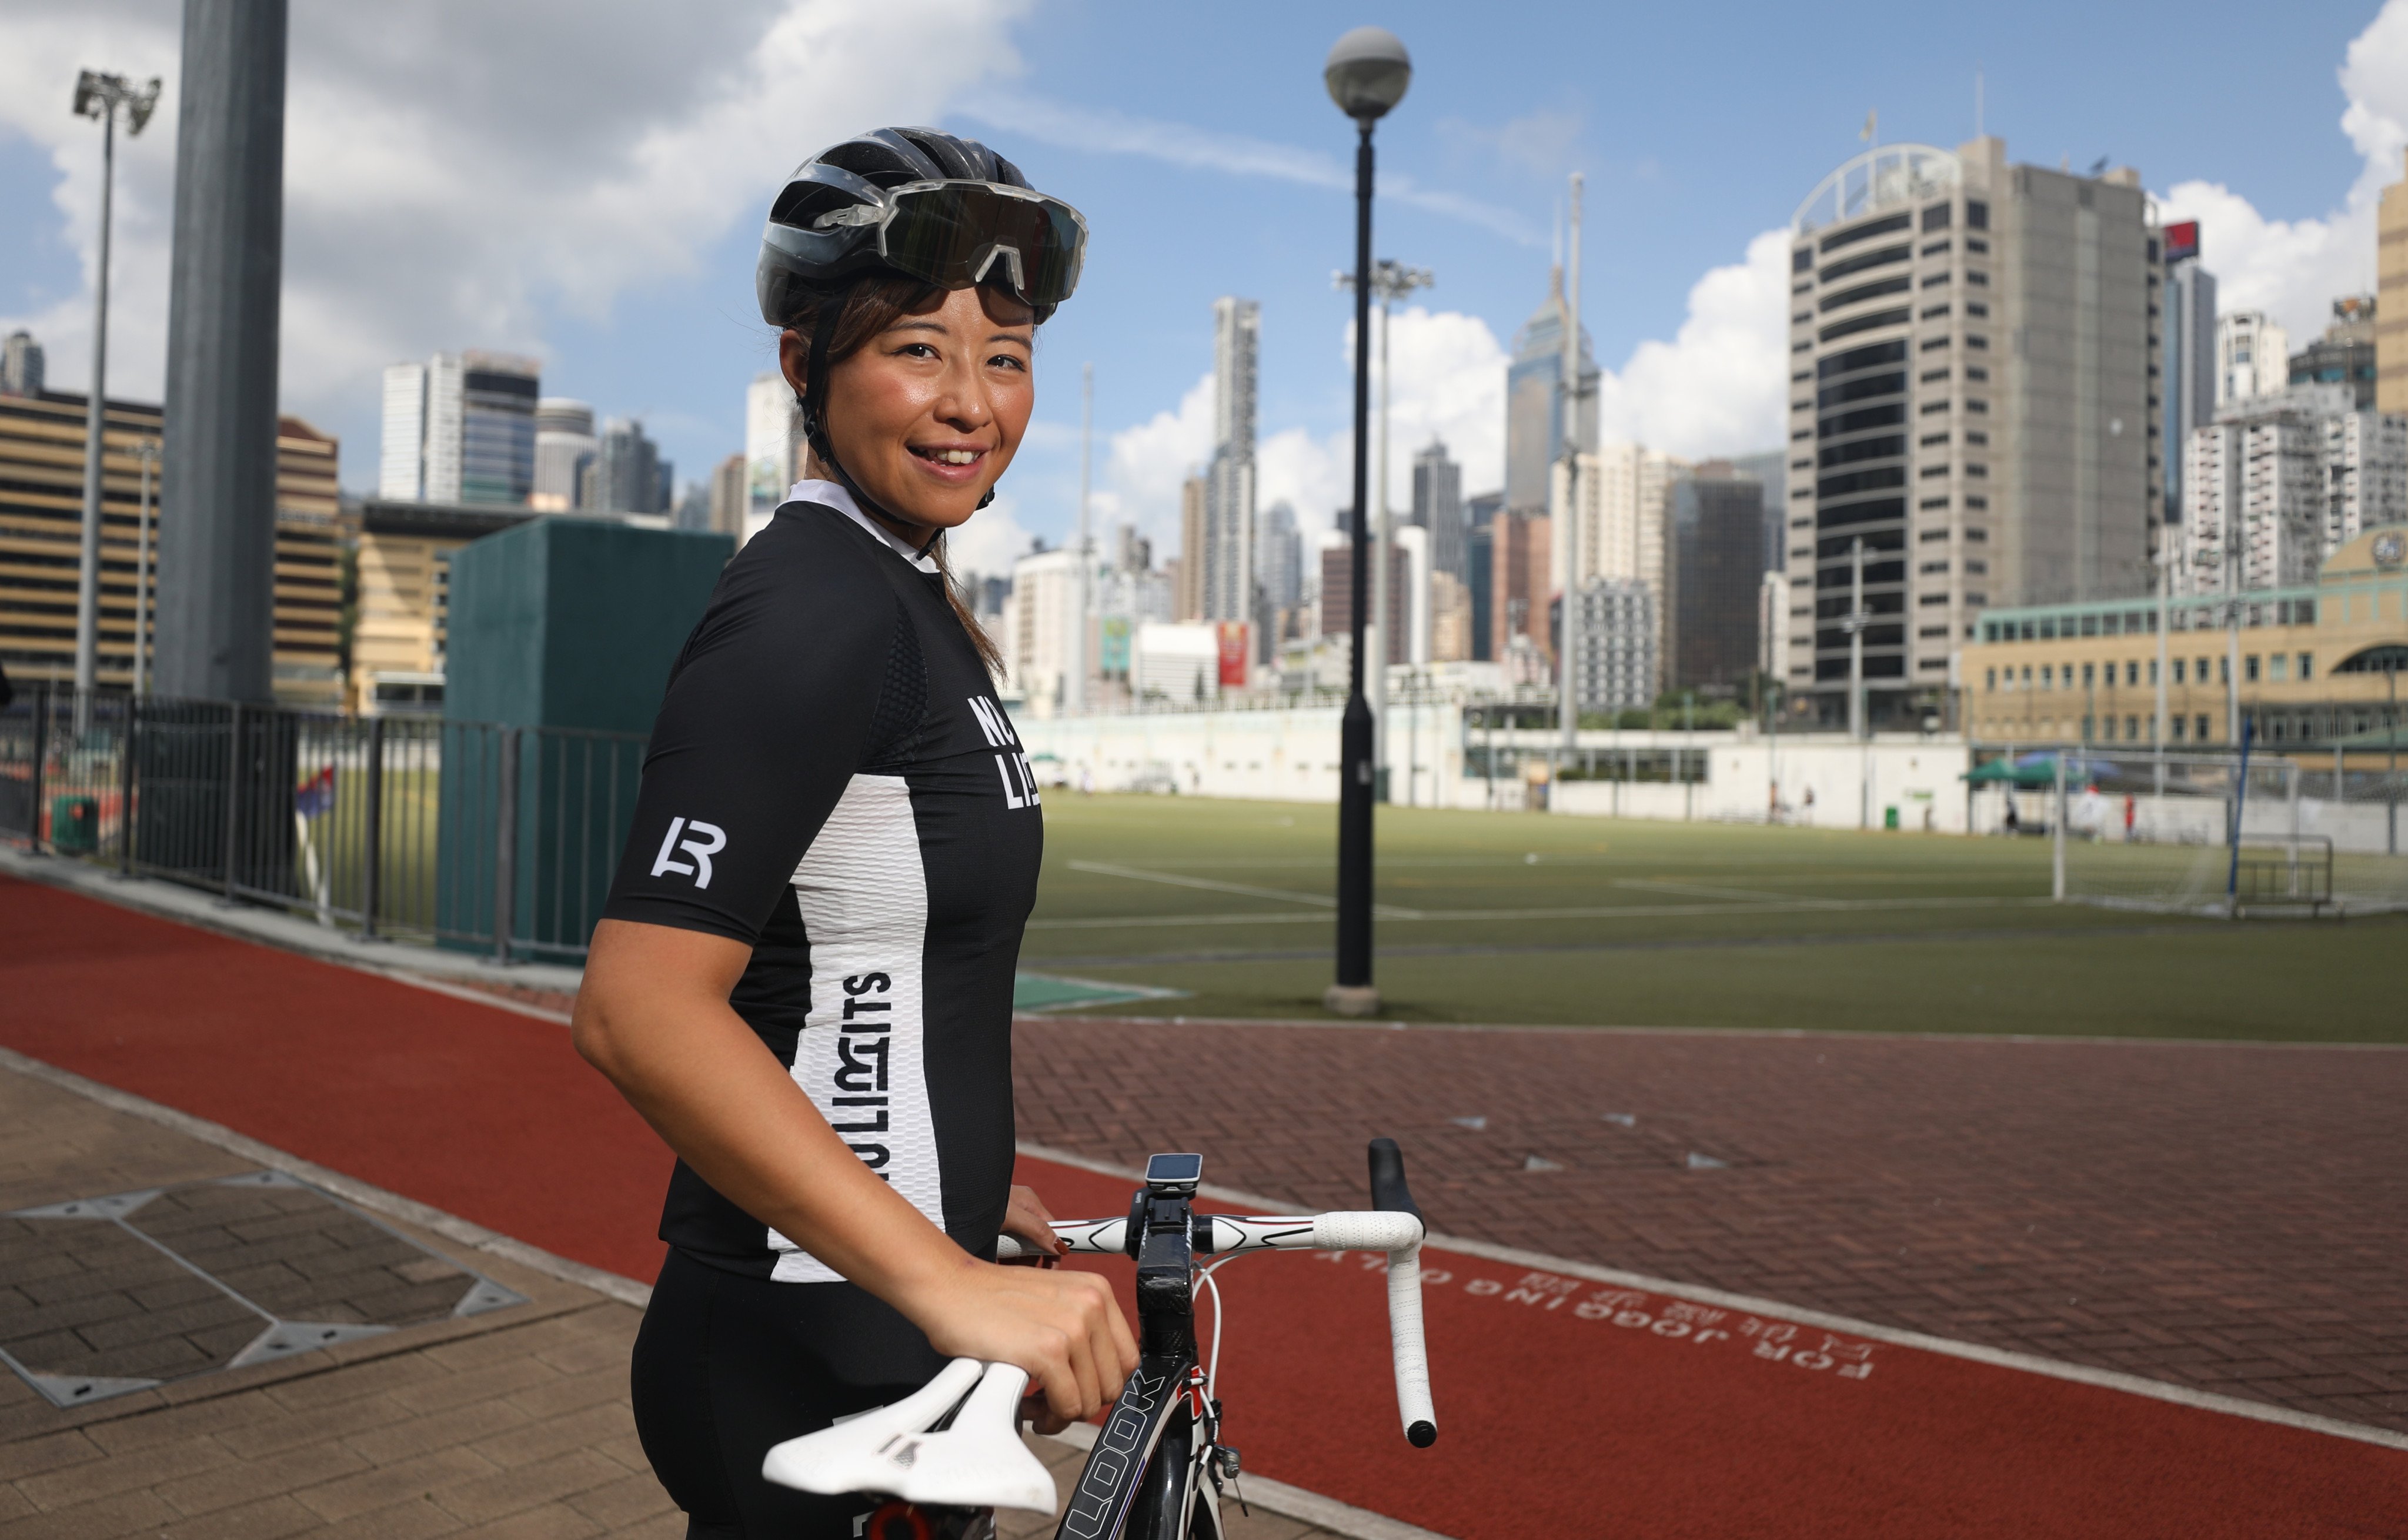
x: 978, y: 1462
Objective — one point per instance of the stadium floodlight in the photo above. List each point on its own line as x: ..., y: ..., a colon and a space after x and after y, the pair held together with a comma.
x: 101, y: 96
x: 1366, y: 73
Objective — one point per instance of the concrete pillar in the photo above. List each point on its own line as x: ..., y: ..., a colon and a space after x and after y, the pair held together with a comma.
x: 217, y: 527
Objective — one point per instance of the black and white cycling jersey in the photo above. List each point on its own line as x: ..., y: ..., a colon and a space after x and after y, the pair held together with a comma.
x: 833, y: 782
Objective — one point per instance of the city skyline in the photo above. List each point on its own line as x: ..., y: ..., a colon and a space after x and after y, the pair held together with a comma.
x: 655, y: 321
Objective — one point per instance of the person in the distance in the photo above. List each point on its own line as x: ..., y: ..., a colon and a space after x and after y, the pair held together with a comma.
x: 803, y: 976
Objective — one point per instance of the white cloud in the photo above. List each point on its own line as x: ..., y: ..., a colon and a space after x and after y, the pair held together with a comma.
x: 990, y: 542
x: 453, y: 167
x: 1234, y: 154
x: 1718, y: 386
x: 1145, y: 465
x: 2295, y: 268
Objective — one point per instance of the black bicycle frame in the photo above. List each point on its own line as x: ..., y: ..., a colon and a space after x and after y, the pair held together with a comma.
x: 1134, y: 1483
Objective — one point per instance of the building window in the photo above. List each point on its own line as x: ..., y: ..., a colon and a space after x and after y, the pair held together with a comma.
x: 1801, y: 260
x: 1973, y: 309
x: 2107, y: 728
x: 2178, y: 671
x: 2307, y: 664
x: 1979, y: 569
x: 2047, y: 677
x: 1989, y: 678
x: 2089, y: 675
x: 2199, y: 731
x: 2223, y: 668
x: 2131, y: 673
x: 1974, y: 372
x: 1980, y: 279
x: 2178, y: 730
x: 1930, y: 439
x: 2249, y: 668
x: 1972, y: 341
x: 1972, y: 436
x: 1936, y: 218
x: 2278, y: 667
x: 2153, y: 671
x: 1976, y: 405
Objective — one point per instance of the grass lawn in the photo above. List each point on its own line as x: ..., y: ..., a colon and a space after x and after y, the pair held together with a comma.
x: 1522, y: 917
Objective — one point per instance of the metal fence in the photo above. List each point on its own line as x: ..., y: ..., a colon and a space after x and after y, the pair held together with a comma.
x: 469, y: 836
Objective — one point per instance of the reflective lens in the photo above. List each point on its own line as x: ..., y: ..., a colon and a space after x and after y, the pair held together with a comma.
x: 956, y: 233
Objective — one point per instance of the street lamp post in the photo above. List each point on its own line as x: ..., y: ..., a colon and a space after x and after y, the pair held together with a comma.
x: 98, y: 95
x: 1367, y: 74
x: 1855, y: 626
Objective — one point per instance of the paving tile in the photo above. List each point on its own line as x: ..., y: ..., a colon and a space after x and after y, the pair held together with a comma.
x: 125, y: 1514
x: 546, y: 1481
x: 2161, y: 1209
x: 267, y: 1520
x: 428, y: 1474
x: 143, y: 1468
x: 416, y: 1520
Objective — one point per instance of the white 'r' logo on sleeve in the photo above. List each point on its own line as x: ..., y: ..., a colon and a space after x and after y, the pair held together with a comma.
x: 705, y: 840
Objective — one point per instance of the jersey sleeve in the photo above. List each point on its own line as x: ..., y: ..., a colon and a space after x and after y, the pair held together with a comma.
x: 766, y: 717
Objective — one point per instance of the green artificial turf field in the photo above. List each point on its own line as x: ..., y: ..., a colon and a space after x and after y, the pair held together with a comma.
x: 1523, y: 918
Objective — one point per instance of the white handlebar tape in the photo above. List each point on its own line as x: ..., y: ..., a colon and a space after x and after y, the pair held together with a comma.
x: 1367, y: 1230
x: 1413, y: 1406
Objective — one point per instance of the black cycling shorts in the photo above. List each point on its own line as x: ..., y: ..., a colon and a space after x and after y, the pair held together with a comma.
x: 726, y: 1366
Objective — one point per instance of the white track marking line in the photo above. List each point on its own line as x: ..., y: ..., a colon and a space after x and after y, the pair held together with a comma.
x: 1699, y: 890
x: 1283, y: 895
x: 1616, y: 911
x: 2110, y: 1379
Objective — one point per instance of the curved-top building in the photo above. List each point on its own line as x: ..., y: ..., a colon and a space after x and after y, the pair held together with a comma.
x: 1973, y: 366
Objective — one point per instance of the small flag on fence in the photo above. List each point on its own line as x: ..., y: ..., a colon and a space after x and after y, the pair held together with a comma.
x: 315, y: 797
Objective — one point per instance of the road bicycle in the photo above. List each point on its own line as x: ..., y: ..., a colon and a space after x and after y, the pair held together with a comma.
x: 949, y: 1454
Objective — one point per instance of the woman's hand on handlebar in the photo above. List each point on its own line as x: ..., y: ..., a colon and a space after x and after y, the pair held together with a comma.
x: 1064, y: 1327
x: 1031, y: 1223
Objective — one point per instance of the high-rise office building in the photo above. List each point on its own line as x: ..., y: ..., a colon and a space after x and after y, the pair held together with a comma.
x: 1438, y: 506
x: 564, y: 446
x: 626, y: 470
x: 2187, y: 398
x: 1279, y: 566
x: 1480, y: 587
x: 460, y: 428
x: 21, y: 364
x: 1228, y: 579
x: 1450, y: 619
x: 2253, y: 356
x: 728, y: 500
x: 1534, y: 403
x: 401, y: 452
x: 2345, y: 355
x: 1972, y: 347
x: 1715, y: 575
x: 771, y: 455
x: 498, y: 393
x: 1621, y: 510
x: 2391, y: 298
x: 1769, y: 469
x: 1187, y: 590
x: 1519, y: 587
x: 1337, y: 595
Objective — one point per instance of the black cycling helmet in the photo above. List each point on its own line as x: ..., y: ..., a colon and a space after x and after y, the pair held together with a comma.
x: 921, y: 203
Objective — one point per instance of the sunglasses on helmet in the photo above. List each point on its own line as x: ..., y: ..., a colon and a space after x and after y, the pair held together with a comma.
x: 958, y: 234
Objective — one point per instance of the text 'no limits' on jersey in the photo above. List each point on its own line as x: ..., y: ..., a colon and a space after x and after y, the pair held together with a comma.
x: 831, y: 782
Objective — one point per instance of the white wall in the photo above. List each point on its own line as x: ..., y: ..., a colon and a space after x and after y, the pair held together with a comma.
x: 1292, y: 755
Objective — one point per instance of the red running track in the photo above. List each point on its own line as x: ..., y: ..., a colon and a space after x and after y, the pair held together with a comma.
x: 1564, y: 1408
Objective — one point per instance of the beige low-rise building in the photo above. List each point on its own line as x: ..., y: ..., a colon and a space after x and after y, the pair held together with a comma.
x: 405, y: 585
x: 2303, y: 663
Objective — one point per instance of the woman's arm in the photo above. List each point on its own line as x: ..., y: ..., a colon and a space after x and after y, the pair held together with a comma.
x: 654, y: 1017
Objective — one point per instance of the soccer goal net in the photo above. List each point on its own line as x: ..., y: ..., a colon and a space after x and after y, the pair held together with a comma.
x: 2192, y: 833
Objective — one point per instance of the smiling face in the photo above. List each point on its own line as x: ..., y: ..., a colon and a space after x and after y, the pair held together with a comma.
x: 927, y: 414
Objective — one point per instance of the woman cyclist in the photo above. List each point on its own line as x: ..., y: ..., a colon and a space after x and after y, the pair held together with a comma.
x: 803, y: 976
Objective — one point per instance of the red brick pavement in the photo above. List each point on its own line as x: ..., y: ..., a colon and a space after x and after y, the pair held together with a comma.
x: 2227, y: 1216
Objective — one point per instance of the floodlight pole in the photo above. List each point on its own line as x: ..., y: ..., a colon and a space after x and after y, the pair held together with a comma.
x: 1858, y: 715
x: 2165, y: 583
x: 1074, y: 694
x: 1567, y: 542
x: 98, y: 96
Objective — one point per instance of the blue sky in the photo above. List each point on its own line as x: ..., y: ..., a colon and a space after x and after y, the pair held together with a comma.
x: 609, y: 227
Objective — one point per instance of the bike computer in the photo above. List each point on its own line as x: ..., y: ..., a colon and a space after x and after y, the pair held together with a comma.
x: 1174, y: 1171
